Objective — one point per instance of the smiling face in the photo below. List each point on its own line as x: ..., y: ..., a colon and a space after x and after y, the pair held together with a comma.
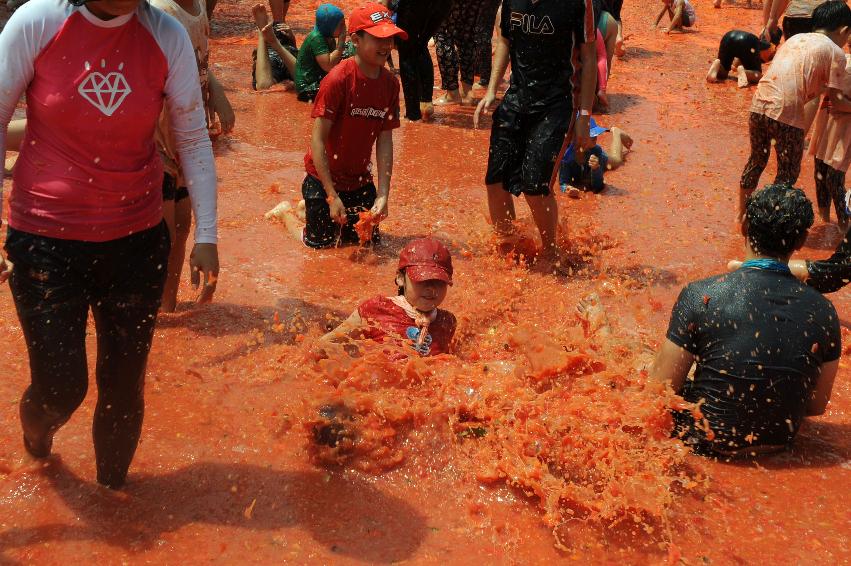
x: 371, y: 50
x: 424, y: 295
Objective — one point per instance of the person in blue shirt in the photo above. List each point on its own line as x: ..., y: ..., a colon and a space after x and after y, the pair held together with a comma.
x: 584, y: 170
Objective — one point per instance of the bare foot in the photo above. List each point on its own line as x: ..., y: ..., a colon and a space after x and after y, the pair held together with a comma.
x: 712, y: 76
x: 573, y: 192
x: 592, y: 313
x: 743, y: 77
x: 620, y: 49
x: 550, y: 263
x: 626, y: 139
x: 717, y: 4
x: 268, y: 33
x: 261, y: 18
x: 279, y: 211
x: 449, y: 97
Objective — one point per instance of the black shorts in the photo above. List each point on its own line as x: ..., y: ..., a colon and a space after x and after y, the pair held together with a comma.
x: 793, y: 26
x: 171, y: 191
x: 323, y: 232
x: 524, y: 148
x: 279, y: 70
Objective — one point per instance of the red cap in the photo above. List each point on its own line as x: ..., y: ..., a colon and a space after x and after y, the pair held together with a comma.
x: 375, y: 19
x: 425, y: 259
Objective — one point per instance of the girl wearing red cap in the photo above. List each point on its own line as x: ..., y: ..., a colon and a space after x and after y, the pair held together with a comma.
x: 412, y: 316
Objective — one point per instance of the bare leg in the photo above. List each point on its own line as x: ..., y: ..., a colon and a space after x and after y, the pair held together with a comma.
x: 620, y: 50
x: 677, y: 17
x: 716, y: 72
x: 501, y: 207
x: 279, y: 10
x: 263, y: 78
x: 545, y: 214
x: 611, y: 39
x: 747, y: 77
x: 621, y: 143
x: 293, y: 218
x: 467, y: 93
x: 179, y: 219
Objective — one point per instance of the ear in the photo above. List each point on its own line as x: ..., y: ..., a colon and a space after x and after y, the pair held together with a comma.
x: 400, y: 279
x: 802, y: 239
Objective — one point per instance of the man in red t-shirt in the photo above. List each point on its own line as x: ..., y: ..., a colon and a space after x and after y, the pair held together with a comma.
x: 357, y: 107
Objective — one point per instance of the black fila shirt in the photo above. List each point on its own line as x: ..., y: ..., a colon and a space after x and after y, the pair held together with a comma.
x: 544, y: 37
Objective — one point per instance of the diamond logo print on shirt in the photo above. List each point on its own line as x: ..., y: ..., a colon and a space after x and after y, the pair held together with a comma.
x: 105, y: 92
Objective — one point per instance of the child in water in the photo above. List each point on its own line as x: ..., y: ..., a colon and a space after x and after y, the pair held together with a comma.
x: 681, y: 12
x: 583, y: 170
x: 412, y: 316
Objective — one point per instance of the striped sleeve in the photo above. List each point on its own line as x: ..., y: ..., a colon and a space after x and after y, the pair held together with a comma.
x: 22, y: 39
x: 188, y: 121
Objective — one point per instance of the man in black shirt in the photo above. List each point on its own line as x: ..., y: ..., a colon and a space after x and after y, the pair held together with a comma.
x: 544, y: 39
x: 767, y: 346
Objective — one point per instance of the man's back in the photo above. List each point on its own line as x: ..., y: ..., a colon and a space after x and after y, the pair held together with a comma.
x: 759, y: 338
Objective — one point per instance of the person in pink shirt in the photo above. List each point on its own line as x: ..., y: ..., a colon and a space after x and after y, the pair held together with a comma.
x: 801, y: 72
x: 86, y: 228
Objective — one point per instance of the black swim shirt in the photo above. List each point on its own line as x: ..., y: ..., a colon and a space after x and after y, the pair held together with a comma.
x: 544, y: 37
x: 759, y: 338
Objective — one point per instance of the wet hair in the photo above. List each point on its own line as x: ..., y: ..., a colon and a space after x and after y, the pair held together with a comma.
x: 773, y: 39
x: 778, y: 218
x: 831, y: 16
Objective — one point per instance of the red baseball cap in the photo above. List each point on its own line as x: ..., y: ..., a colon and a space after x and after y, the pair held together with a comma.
x: 376, y: 20
x: 424, y: 259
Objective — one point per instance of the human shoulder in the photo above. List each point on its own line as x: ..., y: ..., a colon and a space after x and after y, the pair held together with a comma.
x: 40, y: 15
x: 375, y: 305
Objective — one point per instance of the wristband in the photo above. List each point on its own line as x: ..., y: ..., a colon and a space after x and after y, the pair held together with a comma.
x: 584, y: 112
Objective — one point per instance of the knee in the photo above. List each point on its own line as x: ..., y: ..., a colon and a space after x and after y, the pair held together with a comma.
x: 57, y: 401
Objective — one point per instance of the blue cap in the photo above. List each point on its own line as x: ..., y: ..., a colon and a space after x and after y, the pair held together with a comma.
x: 595, y: 130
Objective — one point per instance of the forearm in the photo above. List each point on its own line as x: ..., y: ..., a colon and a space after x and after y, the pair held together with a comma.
x: 501, y: 59
x: 839, y: 103
x: 320, y: 161
x: 588, y: 83
x: 384, y: 161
